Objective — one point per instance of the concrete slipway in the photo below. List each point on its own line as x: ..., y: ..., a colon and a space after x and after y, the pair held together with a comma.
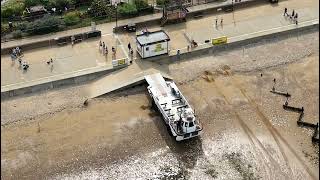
x: 130, y: 76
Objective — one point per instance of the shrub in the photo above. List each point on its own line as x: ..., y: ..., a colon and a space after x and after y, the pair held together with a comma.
x: 127, y: 9
x: 22, y: 26
x: 4, y: 28
x: 58, y: 4
x: 12, y: 8
x: 17, y: 34
x: 72, y: 18
x: 45, y: 25
x: 100, y: 8
x: 162, y: 2
x: 141, y: 4
x: 30, y: 3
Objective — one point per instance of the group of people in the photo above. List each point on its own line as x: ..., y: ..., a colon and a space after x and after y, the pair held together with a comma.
x: 50, y: 62
x: 293, y: 16
x: 103, y: 48
x: 17, y: 54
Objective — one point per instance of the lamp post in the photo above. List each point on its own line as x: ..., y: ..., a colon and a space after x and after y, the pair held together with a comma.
x: 234, y: 22
x: 116, y: 4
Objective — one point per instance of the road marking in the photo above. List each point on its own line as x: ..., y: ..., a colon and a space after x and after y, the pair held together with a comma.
x: 107, y: 34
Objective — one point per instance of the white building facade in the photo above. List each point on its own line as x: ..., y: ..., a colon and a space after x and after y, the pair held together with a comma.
x: 150, y: 44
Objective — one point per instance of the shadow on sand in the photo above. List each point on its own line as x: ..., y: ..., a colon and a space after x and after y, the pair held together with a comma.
x: 187, y: 152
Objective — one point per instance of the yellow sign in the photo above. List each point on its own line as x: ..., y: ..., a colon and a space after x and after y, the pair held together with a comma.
x: 220, y: 40
x: 158, y: 48
x: 121, y: 62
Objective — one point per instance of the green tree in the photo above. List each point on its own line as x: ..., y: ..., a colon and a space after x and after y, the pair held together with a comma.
x: 127, y: 9
x: 12, y: 8
x: 30, y: 3
x: 101, y: 8
x: 72, y: 18
x: 59, y: 4
x: 162, y: 2
x: 141, y: 4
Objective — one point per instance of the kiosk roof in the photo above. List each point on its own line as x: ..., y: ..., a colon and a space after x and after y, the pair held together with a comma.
x: 152, y: 37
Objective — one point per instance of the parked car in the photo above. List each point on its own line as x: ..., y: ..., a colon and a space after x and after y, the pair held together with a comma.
x: 131, y: 27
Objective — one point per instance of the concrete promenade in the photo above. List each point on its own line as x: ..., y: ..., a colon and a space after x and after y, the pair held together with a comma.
x: 245, y: 32
x: 247, y: 25
x: 107, y: 28
x: 69, y: 62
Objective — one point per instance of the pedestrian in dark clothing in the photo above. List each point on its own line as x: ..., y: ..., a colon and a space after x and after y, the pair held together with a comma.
x: 13, y: 57
x: 296, y: 18
x: 221, y: 22
x: 285, y: 11
x: 10, y: 26
x: 216, y: 21
x: 113, y: 50
x: 25, y: 65
x: 103, y: 48
x: 292, y: 14
x: 129, y: 46
x: 19, y: 59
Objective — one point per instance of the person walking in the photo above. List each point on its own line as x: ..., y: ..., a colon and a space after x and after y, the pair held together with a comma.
x: 129, y: 46
x: 285, y: 12
x: 18, y: 51
x: 221, y: 22
x: 106, y: 50
x: 216, y: 21
x: 292, y: 15
x: 51, y: 67
x: 131, y: 52
x: 100, y: 45
x: 296, y: 18
x: 72, y: 40
x: 25, y: 65
x: 19, y: 60
x: 12, y: 57
x: 14, y: 51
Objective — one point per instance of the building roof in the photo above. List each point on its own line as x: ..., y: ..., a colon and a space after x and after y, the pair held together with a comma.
x: 152, y: 37
x: 37, y: 8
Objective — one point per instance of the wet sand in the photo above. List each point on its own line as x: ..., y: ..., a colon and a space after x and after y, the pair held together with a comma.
x: 247, y: 134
